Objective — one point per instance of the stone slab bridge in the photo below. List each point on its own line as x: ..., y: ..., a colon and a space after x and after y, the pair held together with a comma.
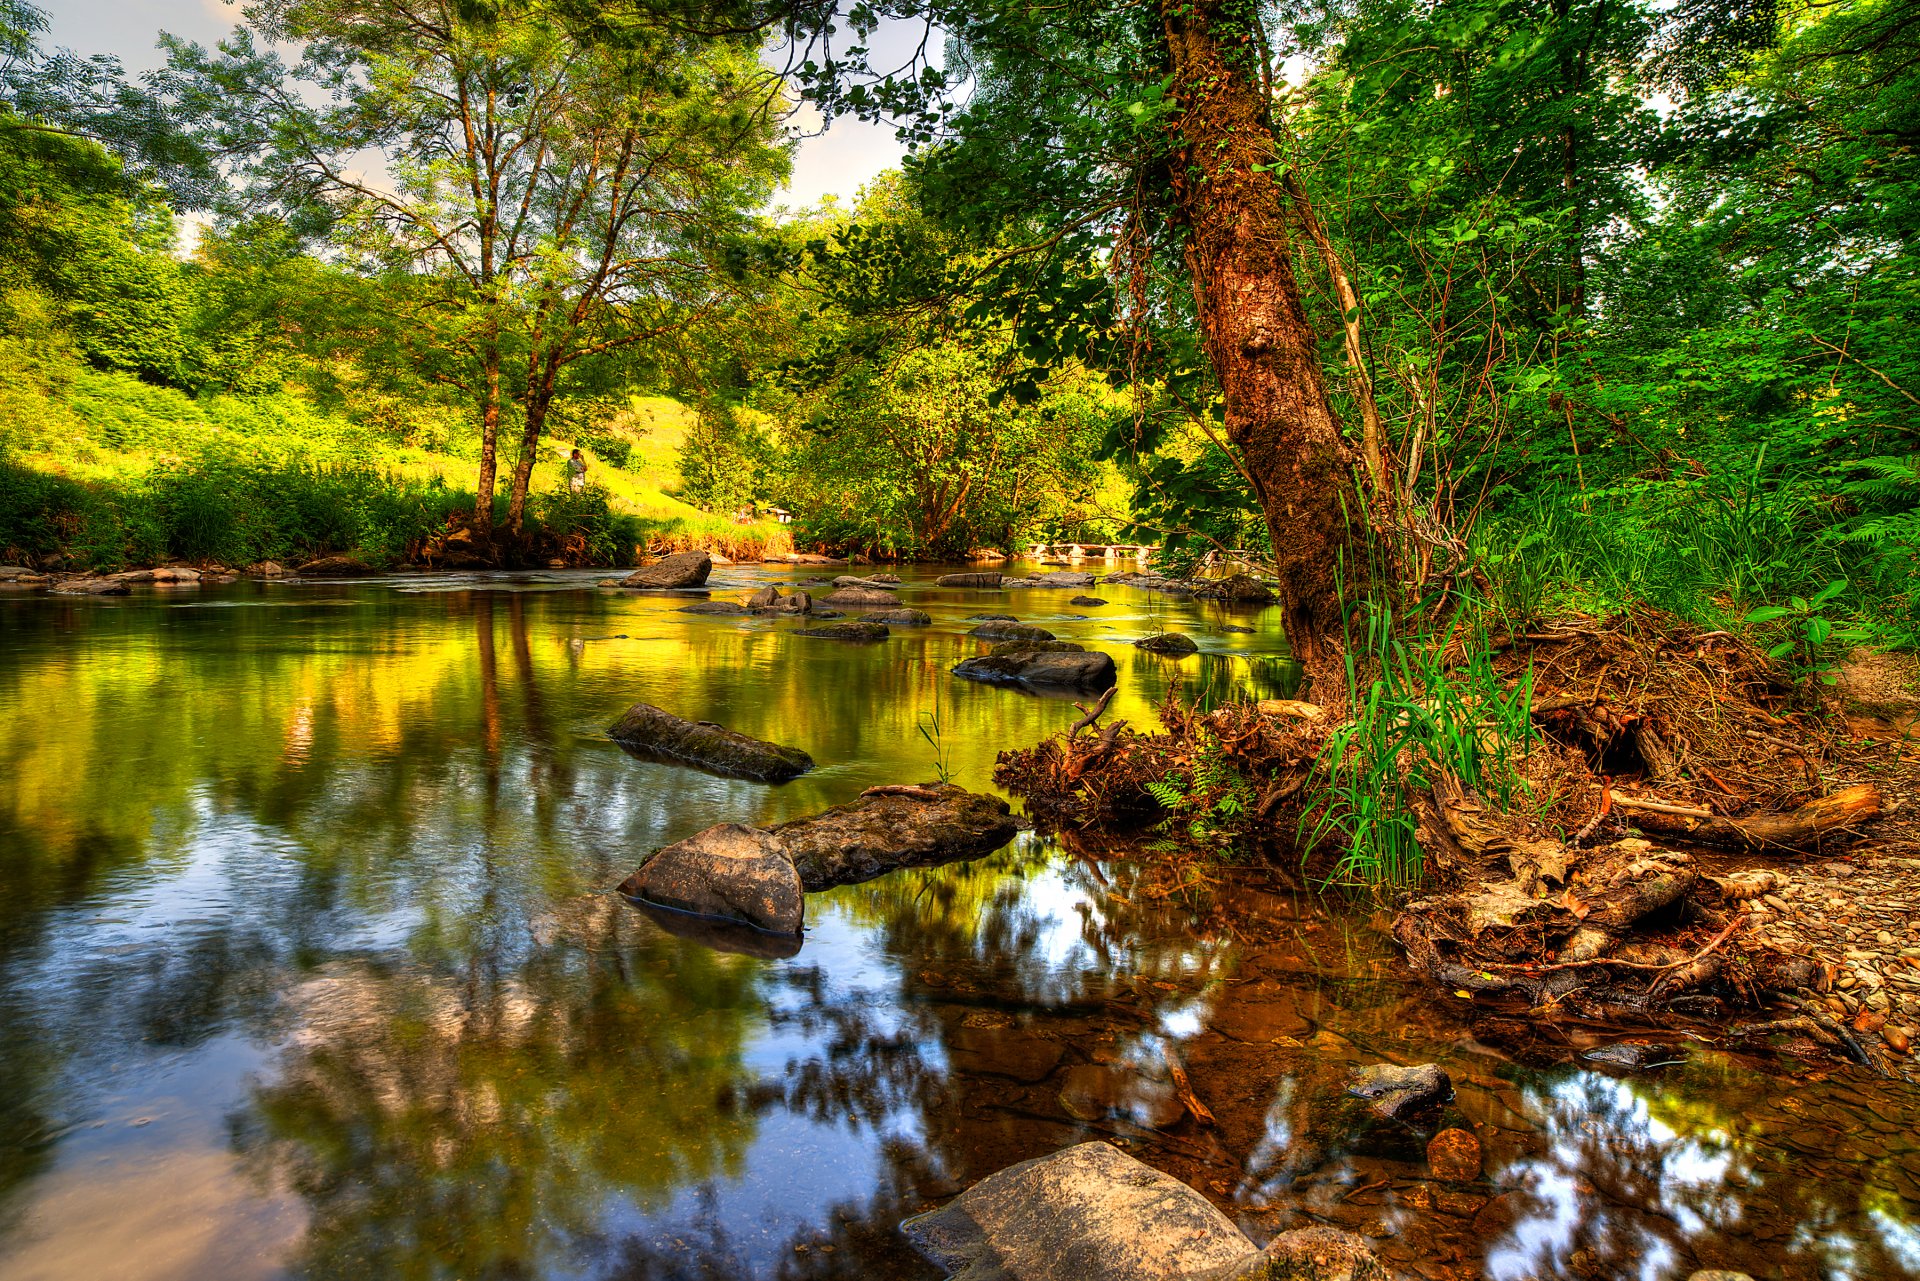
x: 1091, y: 551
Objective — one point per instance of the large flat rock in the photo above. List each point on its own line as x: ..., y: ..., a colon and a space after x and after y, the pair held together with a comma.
x: 728, y: 871
x: 649, y: 731
x: 1090, y: 670
x: 682, y: 569
x: 1087, y: 1213
x: 931, y: 824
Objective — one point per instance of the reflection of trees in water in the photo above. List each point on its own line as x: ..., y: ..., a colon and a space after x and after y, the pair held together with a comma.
x: 1649, y: 1177
x: 477, y: 1125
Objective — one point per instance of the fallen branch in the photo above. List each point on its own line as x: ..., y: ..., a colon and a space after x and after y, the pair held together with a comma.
x: 1087, y: 718
x: 1805, y: 826
x: 1533, y: 968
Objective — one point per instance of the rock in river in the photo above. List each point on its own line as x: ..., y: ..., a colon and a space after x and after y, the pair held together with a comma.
x: 1037, y: 647
x: 1397, y: 1092
x: 1087, y: 1212
x: 335, y: 567
x: 768, y: 600
x: 729, y: 871
x: 846, y: 631
x: 899, y: 617
x: 682, y: 569
x: 1092, y: 1213
x: 1063, y: 578
x: 1172, y: 644
x: 1241, y: 587
x: 1089, y: 670
x: 916, y: 827
x: 1086, y: 600
x: 92, y: 587
x: 712, y: 607
x: 968, y: 580
x: 862, y: 596
x: 648, y: 730
x: 1004, y: 631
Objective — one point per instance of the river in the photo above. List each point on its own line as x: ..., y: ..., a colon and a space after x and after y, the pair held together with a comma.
x: 309, y: 967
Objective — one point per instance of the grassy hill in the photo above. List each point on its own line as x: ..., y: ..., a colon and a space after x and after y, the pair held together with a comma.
x: 108, y: 470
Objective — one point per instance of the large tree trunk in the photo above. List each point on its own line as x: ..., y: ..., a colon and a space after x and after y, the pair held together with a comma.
x: 1255, y: 329
x: 489, y: 443
x: 540, y: 383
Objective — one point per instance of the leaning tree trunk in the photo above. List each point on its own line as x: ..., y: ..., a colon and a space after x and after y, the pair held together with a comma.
x: 1255, y: 329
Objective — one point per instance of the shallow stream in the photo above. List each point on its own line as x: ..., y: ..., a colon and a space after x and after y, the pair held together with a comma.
x: 309, y: 968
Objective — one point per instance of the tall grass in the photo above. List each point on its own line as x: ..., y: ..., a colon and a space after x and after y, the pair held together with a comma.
x: 1428, y: 707
x: 1702, y: 548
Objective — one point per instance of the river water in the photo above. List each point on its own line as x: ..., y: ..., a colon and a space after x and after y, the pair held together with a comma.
x: 309, y: 968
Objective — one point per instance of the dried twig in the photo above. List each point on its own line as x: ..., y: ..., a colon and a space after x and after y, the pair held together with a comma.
x: 1087, y: 718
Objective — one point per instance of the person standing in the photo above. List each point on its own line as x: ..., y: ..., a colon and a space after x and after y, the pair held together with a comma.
x: 577, y: 472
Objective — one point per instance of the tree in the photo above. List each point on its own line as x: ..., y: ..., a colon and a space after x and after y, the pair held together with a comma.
x: 563, y: 188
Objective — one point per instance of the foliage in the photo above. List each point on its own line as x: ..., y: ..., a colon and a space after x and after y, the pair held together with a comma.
x: 1211, y: 803
x: 1814, y: 643
x: 1418, y: 719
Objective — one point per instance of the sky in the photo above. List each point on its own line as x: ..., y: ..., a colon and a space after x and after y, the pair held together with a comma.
x: 835, y: 163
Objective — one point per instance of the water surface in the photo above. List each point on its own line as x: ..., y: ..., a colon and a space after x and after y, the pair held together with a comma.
x: 309, y: 968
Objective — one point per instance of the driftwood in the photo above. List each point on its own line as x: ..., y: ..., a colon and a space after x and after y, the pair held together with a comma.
x: 1799, y: 829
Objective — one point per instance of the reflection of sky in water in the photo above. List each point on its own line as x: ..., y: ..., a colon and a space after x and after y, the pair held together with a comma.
x: 1591, y: 1122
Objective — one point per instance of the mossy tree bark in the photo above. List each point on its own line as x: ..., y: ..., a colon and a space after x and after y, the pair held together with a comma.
x: 1255, y: 329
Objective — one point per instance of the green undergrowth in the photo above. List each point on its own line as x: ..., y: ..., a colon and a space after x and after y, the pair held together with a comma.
x: 109, y: 471
x: 1428, y: 707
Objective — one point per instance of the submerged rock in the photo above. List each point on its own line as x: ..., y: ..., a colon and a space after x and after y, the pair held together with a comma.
x: 1086, y: 670
x: 1037, y: 647
x: 335, y: 567
x: 846, y: 631
x: 649, y: 730
x: 899, y: 617
x: 1005, y: 631
x: 1635, y: 1056
x: 712, y: 607
x: 1172, y: 644
x: 984, y: 579
x: 1396, y: 1092
x: 992, y: 618
x: 935, y: 823
x: 1304, y: 1254
x: 1088, y: 1213
x: 722, y: 934
x: 1086, y: 600
x: 1454, y: 1155
x: 1235, y: 627
x: 728, y: 871
x: 682, y: 569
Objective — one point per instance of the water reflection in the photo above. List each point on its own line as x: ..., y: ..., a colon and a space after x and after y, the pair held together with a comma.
x: 308, y: 968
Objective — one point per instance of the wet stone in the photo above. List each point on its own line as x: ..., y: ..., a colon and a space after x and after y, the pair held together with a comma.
x: 1454, y: 1155
x: 1397, y: 1093
x: 1092, y: 1092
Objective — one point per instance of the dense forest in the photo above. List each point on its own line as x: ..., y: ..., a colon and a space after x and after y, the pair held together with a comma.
x: 1532, y: 307
x: 1606, y: 299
